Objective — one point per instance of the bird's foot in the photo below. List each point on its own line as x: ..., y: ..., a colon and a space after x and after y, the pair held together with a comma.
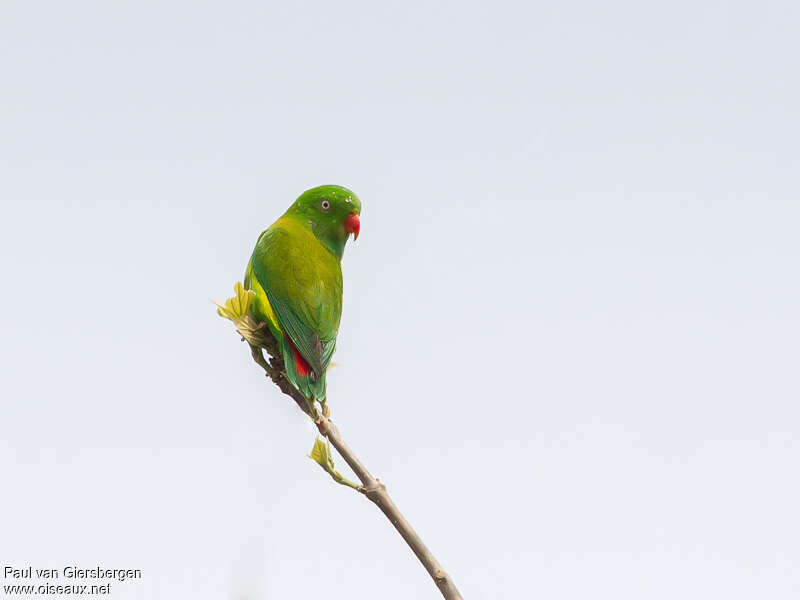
x: 312, y: 410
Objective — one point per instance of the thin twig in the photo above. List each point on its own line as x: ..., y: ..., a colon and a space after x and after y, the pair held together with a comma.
x: 371, y: 487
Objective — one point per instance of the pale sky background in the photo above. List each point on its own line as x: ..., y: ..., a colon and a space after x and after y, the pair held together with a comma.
x: 570, y: 333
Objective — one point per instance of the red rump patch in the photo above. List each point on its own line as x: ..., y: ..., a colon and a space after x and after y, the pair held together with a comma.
x: 303, y: 368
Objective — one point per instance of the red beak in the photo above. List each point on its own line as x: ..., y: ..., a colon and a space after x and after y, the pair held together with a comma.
x: 352, y: 224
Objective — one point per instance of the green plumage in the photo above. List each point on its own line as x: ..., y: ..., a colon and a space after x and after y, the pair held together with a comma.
x: 295, y: 271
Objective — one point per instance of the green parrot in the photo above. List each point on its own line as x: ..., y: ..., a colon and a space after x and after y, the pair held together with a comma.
x: 296, y: 274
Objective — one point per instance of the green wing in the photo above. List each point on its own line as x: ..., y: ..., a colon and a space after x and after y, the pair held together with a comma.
x: 303, y: 283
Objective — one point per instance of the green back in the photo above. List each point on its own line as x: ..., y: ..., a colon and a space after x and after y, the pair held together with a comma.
x: 303, y: 282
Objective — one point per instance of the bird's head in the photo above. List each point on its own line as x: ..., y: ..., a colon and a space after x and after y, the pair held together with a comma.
x: 332, y: 212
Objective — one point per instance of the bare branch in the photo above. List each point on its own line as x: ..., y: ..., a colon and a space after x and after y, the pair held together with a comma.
x: 371, y: 487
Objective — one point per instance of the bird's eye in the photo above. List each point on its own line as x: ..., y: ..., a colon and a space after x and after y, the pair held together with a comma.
x: 325, y: 205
